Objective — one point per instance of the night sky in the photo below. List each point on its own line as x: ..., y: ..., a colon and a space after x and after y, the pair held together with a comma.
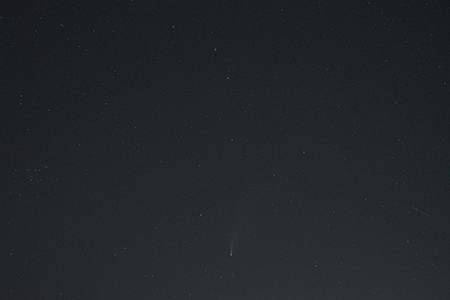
x: 225, y: 150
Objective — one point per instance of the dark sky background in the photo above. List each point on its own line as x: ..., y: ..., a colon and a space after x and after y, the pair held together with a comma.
x: 140, y: 139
